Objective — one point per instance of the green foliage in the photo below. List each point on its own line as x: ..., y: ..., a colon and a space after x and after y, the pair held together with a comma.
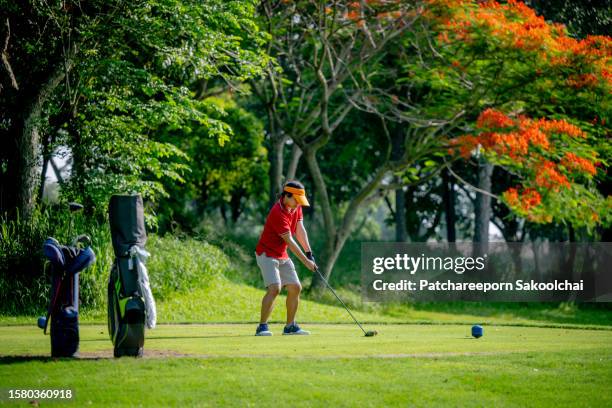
x: 224, y: 172
x: 581, y: 17
x: 143, y: 85
x: 137, y: 67
x: 352, y: 155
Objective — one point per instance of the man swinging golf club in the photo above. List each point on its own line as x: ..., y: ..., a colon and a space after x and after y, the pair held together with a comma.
x: 283, y: 222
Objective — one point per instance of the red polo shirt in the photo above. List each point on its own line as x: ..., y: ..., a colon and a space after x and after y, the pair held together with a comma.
x: 279, y: 222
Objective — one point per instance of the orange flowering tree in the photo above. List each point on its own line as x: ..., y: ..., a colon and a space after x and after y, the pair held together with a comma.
x: 553, y: 163
x: 554, y: 137
x: 525, y: 55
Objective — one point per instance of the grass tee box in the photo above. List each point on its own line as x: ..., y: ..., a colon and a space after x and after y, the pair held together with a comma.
x: 422, y: 365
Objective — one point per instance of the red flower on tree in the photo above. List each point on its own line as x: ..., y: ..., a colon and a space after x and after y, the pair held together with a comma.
x: 548, y: 177
x: 492, y: 119
x: 533, y: 145
x: 579, y: 164
x: 524, y: 201
x: 553, y: 158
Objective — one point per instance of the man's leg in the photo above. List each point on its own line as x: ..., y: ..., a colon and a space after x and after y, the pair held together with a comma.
x: 291, y: 281
x: 267, y: 303
x: 293, y: 300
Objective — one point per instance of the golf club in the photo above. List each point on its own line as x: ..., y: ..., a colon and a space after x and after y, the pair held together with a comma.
x: 369, y: 333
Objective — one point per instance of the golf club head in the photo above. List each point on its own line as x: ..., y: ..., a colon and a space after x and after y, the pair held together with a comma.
x: 371, y: 333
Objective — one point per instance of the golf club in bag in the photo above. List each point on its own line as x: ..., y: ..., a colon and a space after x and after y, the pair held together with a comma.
x: 130, y: 302
x: 63, y: 309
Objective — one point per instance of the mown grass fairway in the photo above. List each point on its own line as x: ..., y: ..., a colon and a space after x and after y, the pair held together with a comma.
x: 405, y: 364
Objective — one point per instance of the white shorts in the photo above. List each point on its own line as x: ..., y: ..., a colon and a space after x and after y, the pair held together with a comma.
x: 277, y: 271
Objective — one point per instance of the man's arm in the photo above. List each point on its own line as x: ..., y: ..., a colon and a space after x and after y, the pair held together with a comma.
x: 302, y: 236
x: 297, y: 251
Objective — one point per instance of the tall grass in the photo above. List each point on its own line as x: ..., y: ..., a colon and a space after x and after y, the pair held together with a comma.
x: 24, y: 273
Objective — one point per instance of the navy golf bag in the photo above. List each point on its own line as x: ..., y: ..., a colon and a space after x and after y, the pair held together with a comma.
x: 63, y: 311
x: 130, y: 303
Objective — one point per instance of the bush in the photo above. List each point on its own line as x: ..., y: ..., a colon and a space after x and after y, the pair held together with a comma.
x: 176, y: 264
x: 24, y: 273
x: 182, y: 265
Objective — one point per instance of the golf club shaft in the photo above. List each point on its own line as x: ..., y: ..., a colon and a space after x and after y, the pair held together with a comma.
x: 340, y: 300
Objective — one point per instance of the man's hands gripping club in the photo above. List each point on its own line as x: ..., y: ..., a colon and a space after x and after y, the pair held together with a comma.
x: 293, y: 246
x: 310, y: 257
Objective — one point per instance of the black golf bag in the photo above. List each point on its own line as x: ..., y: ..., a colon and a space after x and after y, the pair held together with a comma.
x: 63, y: 311
x: 128, y: 288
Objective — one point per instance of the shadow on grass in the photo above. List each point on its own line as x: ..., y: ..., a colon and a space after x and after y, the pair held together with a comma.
x: 25, y: 359
x: 224, y: 336
x: 6, y: 360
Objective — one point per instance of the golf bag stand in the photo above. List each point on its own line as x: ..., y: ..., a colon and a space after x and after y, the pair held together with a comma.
x: 63, y: 310
x: 126, y: 303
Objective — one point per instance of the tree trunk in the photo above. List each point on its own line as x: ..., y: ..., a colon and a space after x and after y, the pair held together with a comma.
x: 400, y: 215
x: 323, y: 199
x: 449, y: 206
x: 535, y: 247
x: 605, y: 188
x: 43, y: 174
x: 78, y: 171
x: 412, y: 224
x: 27, y: 145
x: 482, y: 208
x: 296, y: 154
x: 236, y: 204
x: 222, y: 212
x: 336, y: 237
x: 397, y: 151
x: 275, y: 156
x: 28, y: 140
x: 328, y: 220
